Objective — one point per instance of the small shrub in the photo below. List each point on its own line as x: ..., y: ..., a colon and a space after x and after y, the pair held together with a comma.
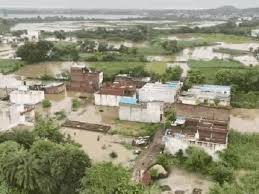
x: 113, y: 155
x: 46, y: 103
x: 75, y: 104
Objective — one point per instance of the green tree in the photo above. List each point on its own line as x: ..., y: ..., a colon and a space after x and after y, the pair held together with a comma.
x: 105, y: 178
x: 46, y: 128
x: 195, y: 77
x: 197, y: 160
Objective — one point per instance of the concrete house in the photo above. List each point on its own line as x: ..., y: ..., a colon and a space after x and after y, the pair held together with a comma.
x: 110, y: 95
x: 84, y: 79
x: 159, y: 92
x: 12, y: 115
x: 211, y: 135
x: 207, y: 94
x: 25, y: 96
x: 146, y: 112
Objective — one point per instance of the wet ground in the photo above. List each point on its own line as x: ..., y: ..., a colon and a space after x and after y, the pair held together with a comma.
x: 245, y: 120
x: 185, y: 181
x: 99, y: 151
x: 40, y: 69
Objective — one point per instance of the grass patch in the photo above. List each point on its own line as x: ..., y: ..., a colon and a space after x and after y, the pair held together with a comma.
x: 210, y: 68
x: 133, y: 129
x: 112, y: 68
x: 234, y: 39
x: 9, y: 65
x: 156, y: 67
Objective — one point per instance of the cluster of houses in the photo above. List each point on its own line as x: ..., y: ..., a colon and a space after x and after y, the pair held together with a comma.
x: 19, y: 98
x: 141, y: 100
x: 137, y: 100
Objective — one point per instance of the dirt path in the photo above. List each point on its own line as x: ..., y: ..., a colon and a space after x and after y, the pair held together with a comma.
x: 147, y: 158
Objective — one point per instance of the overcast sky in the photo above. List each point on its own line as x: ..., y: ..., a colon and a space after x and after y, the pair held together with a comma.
x: 124, y: 4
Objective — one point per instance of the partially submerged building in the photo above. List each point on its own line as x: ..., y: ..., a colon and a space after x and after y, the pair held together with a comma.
x: 159, y: 92
x: 12, y: 115
x: 207, y: 94
x: 211, y: 135
x: 110, y: 95
x: 139, y: 82
x: 10, y: 82
x: 54, y: 88
x: 147, y: 112
x: 83, y: 79
x: 25, y: 96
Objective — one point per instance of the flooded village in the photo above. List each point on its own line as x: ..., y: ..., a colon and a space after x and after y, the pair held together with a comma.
x: 148, y: 105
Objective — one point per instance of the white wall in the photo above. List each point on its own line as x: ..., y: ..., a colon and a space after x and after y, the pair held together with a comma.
x: 9, y: 82
x: 106, y: 100
x: 26, y: 97
x: 155, y: 94
x: 150, y: 114
x: 11, y: 117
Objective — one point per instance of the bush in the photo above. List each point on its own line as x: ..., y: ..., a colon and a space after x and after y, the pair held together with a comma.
x: 221, y: 173
x: 46, y: 103
x: 75, y: 104
x: 113, y: 155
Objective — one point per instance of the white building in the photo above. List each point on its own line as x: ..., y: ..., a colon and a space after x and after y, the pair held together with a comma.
x: 11, y: 115
x: 149, y: 112
x: 9, y: 82
x: 207, y: 94
x: 111, y: 95
x: 25, y: 96
x: 159, y: 92
x: 255, y: 33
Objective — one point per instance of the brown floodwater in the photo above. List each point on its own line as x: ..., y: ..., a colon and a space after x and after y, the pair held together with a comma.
x: 46, y: 68
x: 99, y: 151
x: 244, y: 120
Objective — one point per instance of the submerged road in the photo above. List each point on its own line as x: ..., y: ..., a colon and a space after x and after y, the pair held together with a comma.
x: 148, y: 157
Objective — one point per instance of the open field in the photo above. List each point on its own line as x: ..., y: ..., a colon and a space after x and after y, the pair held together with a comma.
x: 210, y: 68
x: 9, y: 65
x: 224, y: 38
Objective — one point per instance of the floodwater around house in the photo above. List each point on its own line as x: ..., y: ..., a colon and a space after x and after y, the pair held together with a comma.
x: 244, y: 120
x: 185, y: 181
x: 46, y: 68
x: 99, y: 151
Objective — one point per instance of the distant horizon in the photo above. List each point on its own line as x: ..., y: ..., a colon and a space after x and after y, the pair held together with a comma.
x: 86, y: 9
x: 127, y: 5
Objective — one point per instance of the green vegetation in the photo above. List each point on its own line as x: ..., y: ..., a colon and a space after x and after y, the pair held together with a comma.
x: 46, y: 103
x: 242, y: 154
x: 10, y: 65
x: 219, y: 37
x: 30, y: 162
x: 75, y: 104
x: 208, y: 69
x: 133, y: 129
x: 46, y: 51
x: 105, y: 178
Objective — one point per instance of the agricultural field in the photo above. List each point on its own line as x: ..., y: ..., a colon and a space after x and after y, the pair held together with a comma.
x: 231, y: 39
x: 210, y: 68
x: 9, y: 65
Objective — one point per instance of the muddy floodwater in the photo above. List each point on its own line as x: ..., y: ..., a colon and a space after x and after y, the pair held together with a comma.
x: 99, y: 150
x: 244, y: 120
x: 208, y: 53
x: 185, y: 181
x: 40, y: 69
